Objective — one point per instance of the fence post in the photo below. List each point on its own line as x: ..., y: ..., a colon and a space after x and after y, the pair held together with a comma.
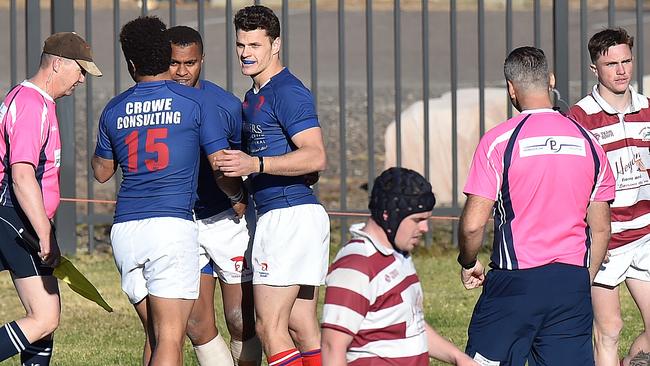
x: 561, y: 50
x: 66, y: 219
x: 33, y: 41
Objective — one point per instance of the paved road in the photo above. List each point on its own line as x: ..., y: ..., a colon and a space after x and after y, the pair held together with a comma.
x: 355, y: 61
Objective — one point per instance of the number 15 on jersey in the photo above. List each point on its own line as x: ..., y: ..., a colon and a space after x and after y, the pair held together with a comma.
x: 154, y: 143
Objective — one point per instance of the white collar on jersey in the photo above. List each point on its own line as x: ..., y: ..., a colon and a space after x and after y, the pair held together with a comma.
x: 33, y: 86
x: 255, y: 91
x: 539, y: 110
x: 638, y: 101
x: 356, y: 230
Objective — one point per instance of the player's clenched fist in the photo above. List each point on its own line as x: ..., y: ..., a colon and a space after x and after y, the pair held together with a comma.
x: 473, y: 277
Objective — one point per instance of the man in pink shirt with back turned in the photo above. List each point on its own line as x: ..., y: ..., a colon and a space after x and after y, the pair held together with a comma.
x: 549, y: 185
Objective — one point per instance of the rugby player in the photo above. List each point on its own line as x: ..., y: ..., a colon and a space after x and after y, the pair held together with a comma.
x: 224, y: 238
x: 619, y: 117
x: 373, y: 302
x: 154, y: 131
x: 282, y: 142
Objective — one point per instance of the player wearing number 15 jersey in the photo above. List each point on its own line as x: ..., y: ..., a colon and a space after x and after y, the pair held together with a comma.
x: 155, y: 131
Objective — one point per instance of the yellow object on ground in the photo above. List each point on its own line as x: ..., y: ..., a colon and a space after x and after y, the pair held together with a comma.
x: 68, y: 273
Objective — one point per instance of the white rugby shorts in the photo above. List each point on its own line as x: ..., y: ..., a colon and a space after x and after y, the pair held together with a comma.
x: 157, y: 256
x: 291, y: 246
x: 226, y: 240
x: 629, y: 261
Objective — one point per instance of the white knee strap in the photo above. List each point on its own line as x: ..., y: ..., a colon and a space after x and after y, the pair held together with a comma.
x: 214, y: 353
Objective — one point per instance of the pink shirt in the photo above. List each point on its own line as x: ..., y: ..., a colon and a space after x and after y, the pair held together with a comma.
x: 30, y: 126
x: 542, y: 170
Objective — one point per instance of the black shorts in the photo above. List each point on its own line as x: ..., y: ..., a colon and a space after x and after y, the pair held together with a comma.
x: 542, y: 315
x: 15, y: 254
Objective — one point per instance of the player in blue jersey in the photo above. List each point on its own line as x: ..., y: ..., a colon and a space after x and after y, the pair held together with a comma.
x: 155, y: 131
x: 282, y: 142
x: 225, y: 241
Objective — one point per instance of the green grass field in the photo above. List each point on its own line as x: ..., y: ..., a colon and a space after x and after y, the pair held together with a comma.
x: 90, y: 336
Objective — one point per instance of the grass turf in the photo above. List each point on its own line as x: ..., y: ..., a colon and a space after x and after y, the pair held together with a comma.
x: 90, y: 336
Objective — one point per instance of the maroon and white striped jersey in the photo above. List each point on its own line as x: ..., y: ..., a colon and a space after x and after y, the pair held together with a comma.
x: 625, y: 137
x: 374, y: 294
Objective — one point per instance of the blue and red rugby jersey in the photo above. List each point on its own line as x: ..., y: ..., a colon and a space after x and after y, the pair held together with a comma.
x: 282, y: 108
x: 155, y: 131
x: 211, y: 199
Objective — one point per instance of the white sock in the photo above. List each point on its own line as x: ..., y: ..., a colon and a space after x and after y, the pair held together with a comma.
x: 248, y: 352
x: 214, y: 353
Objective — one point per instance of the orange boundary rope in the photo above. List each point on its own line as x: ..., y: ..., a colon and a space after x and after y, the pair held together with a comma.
x: 331, y: 213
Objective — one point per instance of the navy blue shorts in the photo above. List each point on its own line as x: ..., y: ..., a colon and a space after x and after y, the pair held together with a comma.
x: 208, y: 268
x: 15, y: 255
x: 541, y: 315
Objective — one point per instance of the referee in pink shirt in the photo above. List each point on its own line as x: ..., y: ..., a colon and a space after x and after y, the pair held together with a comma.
x: 548, y: 184
x: 30, y: 156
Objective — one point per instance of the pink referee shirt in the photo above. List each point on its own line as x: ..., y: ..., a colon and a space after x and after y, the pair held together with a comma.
x: 542, y: 170
x: 30, y: 126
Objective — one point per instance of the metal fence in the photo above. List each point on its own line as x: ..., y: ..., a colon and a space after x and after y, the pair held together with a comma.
x: 365, y: 62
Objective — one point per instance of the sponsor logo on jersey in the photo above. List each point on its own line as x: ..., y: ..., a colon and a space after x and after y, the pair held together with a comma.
x: 551, y: 145
x: 606, y: 134
x: 645, y: 134
x: 57, y: 158
x: 392, y: 275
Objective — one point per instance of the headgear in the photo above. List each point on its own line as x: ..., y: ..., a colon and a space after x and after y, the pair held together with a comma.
x: 399, y: 192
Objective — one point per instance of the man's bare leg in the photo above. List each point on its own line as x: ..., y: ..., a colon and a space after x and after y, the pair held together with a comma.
x: 273, y: 307
x: 169, y: 320
x: 239, y: 311
x: 640, y: 291
x: 303, y: 323
x: 607, y: 324
x: 40, y: 298
x: 142, y: 308
x: 209, y: 346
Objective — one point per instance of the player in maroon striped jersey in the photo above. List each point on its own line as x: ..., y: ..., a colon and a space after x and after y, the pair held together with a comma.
x: 373, y: 302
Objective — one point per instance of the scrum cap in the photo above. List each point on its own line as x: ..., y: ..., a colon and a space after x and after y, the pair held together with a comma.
x: 399, y: 192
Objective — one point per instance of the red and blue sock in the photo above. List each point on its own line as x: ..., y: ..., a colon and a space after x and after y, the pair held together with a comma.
x: 311, y: 358
x: 289, y: 357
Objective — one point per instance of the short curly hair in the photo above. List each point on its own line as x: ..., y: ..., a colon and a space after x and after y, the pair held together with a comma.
x: 184, y: 36
x: 255, y: 17
x: 145, y: 43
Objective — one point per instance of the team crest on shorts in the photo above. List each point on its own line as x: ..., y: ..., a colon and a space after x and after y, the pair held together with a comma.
x: 263, y: 271
x: 240, y: 263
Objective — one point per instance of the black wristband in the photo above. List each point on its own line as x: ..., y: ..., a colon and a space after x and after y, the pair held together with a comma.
x: 468, y: 265
x: 261, y: 164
